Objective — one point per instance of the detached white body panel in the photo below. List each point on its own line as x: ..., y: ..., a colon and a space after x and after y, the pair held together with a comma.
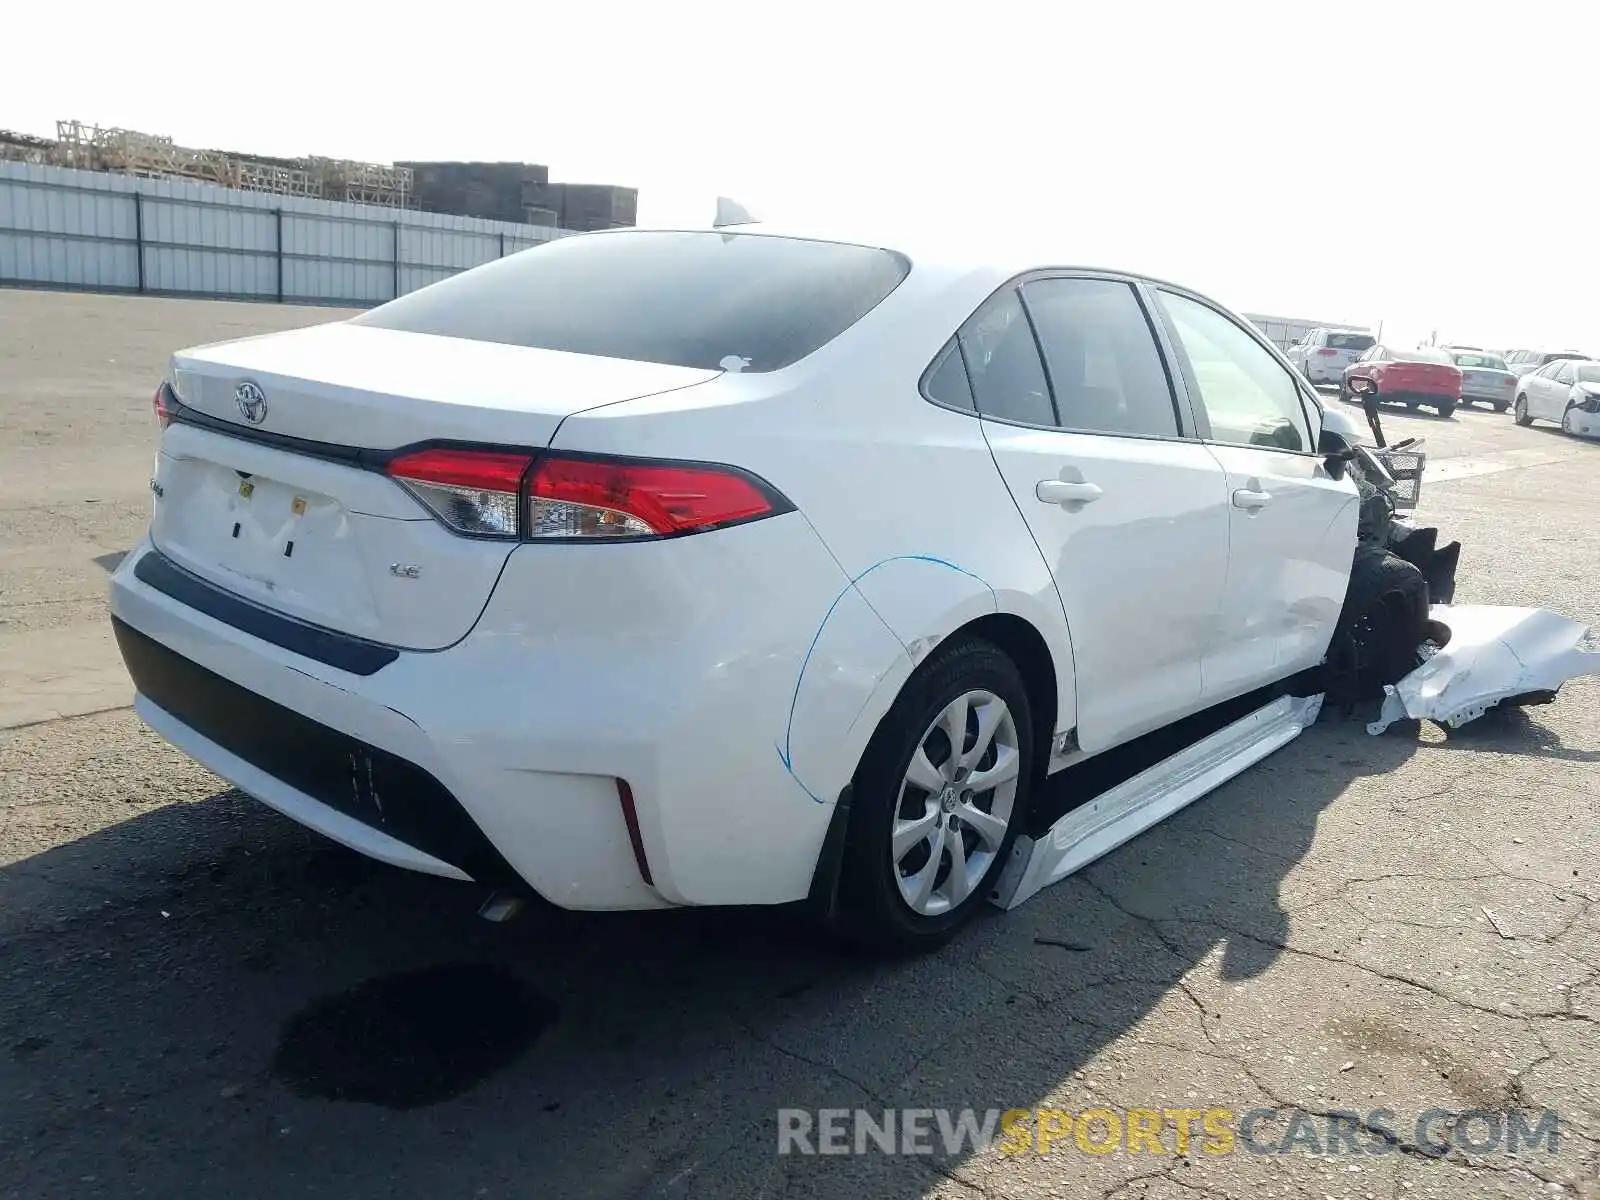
x: 1495, y: 653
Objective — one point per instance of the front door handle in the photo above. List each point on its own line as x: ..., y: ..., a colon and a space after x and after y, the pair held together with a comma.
x: 1066, y: 492
x: 1251, y: 499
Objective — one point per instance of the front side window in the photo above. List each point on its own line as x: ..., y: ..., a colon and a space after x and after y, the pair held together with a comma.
x: 1105, y: 371
x: 715, y: 301
x: 1563, y: 373
x: 1003, y: 363
x: 1248, y: 397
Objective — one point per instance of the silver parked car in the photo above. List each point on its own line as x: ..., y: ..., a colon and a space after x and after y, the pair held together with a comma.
x: 1485, y: 378
x: 1525, y: 362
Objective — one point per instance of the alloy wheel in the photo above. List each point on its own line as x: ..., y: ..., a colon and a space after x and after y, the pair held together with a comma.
x: 955, y: 804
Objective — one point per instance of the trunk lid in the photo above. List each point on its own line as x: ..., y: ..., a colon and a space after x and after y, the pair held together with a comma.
x: 1426, y: 377
x: 1486, y: 381
x: 288, y: 515
x: 358, y: 385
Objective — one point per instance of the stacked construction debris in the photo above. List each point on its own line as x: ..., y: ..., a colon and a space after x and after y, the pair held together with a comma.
x: 24, y: 147
x: 477, y: 189
x: 501, y: 191
x: 129, y: 152
x: 582, y: 206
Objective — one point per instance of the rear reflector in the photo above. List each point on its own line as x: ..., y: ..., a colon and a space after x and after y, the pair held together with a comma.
x: 611, y: 498
x: 1326, y: 352
x: 630, y: 818
x: 474, y: 492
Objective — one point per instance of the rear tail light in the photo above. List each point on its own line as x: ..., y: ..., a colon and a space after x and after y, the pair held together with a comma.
x: 473, y: 492
x: 511, y: 495
x: 162, y: 402
x: 609, y: 498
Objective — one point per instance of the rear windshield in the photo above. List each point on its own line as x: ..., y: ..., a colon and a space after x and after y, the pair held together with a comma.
x: 1350, y: 341
x: 1492, y: 362
x: 716, y: 301
x: 1422, y: 354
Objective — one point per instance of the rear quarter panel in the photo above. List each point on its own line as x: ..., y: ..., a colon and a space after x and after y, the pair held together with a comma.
x: 904, y: 494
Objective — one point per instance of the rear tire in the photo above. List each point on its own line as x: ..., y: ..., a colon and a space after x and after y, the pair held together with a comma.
x: 899, y: 892
x: 1500, y: 406
x: 1521, y: 411
x: 1445, y: 411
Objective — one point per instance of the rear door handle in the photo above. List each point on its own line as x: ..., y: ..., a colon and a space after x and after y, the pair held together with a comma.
x: 1251, y: 499
x: 1064, y: 492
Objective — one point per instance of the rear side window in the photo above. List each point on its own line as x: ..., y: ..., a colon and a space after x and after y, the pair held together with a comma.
x: 1003, y: 362
x: 1248, y: 397
x: 1105, y: 370
x: 947, y: 382
x: 1350, y: 341
x: 716, y: 301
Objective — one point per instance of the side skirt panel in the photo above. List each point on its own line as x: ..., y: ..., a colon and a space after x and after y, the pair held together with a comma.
x: 1096, y: 828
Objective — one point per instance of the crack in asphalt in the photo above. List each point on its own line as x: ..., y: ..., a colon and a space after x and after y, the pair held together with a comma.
x: 1410, y: 1149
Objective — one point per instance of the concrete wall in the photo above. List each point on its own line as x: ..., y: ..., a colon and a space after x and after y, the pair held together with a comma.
x: 95, y: 231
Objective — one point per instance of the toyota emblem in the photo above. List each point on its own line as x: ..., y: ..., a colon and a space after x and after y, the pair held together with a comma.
x: 252, y: 402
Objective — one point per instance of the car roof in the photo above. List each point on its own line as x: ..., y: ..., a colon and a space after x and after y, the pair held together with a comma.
x: 970, y: 249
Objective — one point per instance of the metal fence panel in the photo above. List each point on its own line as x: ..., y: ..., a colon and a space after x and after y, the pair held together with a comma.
x: 98, y: 231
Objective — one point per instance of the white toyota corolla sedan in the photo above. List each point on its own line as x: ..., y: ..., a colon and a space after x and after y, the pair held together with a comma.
x: 742, y: 566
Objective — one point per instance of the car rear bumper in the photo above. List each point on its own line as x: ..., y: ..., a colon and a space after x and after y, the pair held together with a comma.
x: 1329, y: 371
x: 1414, y: 396
x: 498, y: 759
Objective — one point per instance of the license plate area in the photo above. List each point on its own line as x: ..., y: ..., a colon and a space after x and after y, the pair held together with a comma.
x: 289, y: 547
x: 262, y: 525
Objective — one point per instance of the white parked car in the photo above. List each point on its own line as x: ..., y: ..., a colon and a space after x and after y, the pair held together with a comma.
x: 1566, y: 391
x: 656, y: 568
x: 1325, y: 353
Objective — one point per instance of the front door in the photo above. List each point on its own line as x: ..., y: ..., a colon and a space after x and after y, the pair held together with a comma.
x: 1292, y: 526
x: 1129, y: 512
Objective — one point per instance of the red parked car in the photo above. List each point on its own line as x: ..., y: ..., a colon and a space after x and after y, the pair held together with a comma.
x: 1424, y: 376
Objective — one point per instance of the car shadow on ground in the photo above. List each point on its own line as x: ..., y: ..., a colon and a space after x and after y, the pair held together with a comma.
x: 265, y: 1013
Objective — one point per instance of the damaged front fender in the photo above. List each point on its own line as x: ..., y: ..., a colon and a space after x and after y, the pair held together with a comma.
x: 1493, y: 654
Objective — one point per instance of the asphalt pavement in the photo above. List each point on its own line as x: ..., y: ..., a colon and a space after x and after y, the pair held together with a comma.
x: 197, y: 996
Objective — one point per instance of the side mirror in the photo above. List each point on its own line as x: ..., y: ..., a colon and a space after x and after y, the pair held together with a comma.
x: 1363, y: 387
x: 1337, y: 441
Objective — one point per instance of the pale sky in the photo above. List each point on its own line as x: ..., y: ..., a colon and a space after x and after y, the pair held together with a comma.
x: 1423, y: 164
